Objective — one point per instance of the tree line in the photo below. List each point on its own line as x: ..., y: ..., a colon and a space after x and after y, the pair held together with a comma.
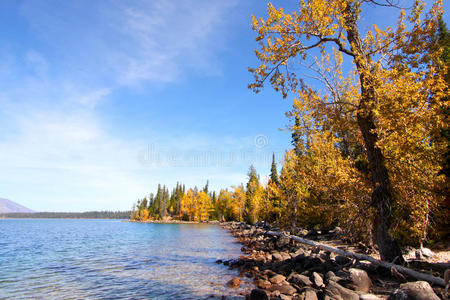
x: 369, y: 121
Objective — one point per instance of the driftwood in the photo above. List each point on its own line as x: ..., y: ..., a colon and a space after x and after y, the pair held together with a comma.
x: 401, y: 269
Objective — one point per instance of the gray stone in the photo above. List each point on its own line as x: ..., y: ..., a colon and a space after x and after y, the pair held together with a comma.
x: 360, y: 281
x: 300, y: 280
x: 317, y: 279
x: 286, y: 289
x: 335, y: 291
x: 309, y: 294
x: 277, y: 256
x: 263, y: 284
x: 418, y: 290
x: 277, y: 279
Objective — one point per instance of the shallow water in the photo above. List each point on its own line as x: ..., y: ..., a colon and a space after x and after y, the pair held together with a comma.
x: 111, y: 259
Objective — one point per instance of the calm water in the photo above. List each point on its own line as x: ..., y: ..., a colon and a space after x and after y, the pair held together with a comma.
x: 110, y: 259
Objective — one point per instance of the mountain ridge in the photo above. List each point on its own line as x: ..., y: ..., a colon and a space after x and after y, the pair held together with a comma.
x: 8, y: 206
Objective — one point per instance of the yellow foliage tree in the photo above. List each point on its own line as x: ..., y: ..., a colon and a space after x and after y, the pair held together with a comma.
x: 238, y: 203
x: 189, y: 205
x: 389, y: 102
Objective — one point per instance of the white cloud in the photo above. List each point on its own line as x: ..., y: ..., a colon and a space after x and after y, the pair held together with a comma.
x: 56, y: 152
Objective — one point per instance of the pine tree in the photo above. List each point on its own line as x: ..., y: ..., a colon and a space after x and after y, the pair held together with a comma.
x: 297, y: 137
x: 205, y: 189
x: 273, y: 171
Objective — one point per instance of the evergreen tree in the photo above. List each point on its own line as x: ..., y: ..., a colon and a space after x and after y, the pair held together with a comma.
x: 205, y: 189
x: 273, y: 171
x: 297, y: 136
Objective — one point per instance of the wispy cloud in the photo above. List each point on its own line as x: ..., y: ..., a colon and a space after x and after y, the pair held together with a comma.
x: 56, y: 144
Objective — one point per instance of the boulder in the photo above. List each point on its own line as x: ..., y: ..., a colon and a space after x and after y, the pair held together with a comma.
x: 427, y: 252
x: 418, y: 290
x: 277, y: 256
x: 331, y: 276
x: 335, y: 291
x: 277, y: 279
x: 263, y: 284
x: 359, y: 280
x: 308, y: 294
x: 286, y: 288
x: 257, y: 294
x: 300, y: 280
x: 317, y: 279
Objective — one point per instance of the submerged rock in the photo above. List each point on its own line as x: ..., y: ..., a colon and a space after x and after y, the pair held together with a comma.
x: 234, y: 283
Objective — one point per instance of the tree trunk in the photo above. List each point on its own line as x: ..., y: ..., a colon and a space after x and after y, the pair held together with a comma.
x: 382, y: 194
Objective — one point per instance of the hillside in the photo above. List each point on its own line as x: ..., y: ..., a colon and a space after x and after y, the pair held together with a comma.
x: 8, y: 206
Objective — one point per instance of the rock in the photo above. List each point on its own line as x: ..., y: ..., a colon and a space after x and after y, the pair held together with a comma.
x: 342, y: 260
x: 219, y: 261
x: 300, y: 280
x: 427, y: 252
x: 277, y: 256
x: 286, y: 289
x: 335, y: 291
x: 275, y: 294
x: 369, y: 297
x: 312, y: 262
x: 285, y: 256
x: 419, y: 254
x: 317, y: 279
x: 263, y: 284
x: 331, y: 276
x: 234, y: 283
x: 360, y: 281
x: 419, y: 290
x: 257, y: 294
x: 308, y: 294
x: 283, y: 241
x: 277, y: 279
x: 398, y: 295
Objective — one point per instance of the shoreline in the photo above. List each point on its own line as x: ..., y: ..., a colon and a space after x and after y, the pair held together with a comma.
x: 174, y: 222
x: 282, y: 268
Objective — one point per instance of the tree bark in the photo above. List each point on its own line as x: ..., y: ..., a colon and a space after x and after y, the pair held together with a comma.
x: 382, y: 194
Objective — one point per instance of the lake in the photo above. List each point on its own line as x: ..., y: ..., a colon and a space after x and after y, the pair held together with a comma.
x: 111, y: 259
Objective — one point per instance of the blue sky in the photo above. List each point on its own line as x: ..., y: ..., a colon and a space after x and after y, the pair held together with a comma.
x: 102, y: 100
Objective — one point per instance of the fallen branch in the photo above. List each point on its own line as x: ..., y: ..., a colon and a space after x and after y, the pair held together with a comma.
x: 407, y: 271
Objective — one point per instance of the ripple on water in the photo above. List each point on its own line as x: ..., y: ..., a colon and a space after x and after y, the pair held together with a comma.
x: 106, y: 259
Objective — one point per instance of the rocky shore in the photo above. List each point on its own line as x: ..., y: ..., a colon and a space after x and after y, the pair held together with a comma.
x: 282, y: 268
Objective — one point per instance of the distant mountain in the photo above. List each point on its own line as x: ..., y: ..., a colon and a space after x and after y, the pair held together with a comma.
x: 8, y: 206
